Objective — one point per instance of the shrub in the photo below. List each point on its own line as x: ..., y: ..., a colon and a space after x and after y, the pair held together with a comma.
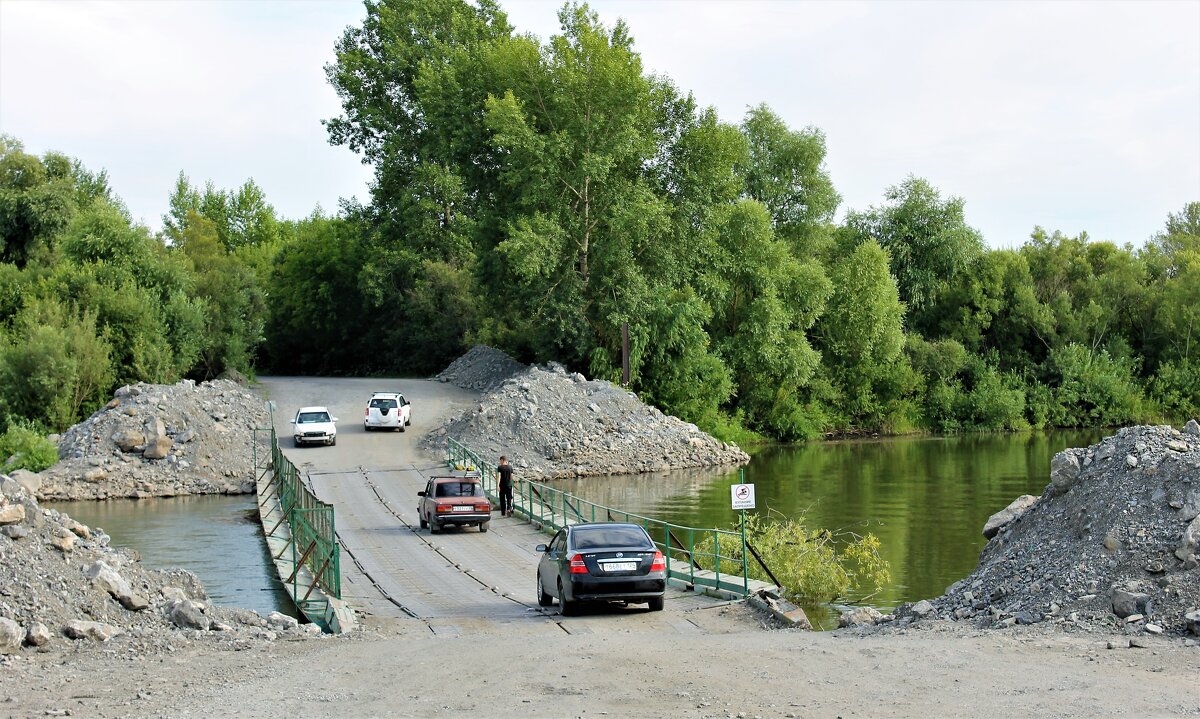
x: 815, y: 565
x: 1095, y: 389
x: 23, y: 447
x: 1176, y: 389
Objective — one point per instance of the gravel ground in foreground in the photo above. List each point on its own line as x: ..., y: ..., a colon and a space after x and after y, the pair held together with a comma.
x: 735, y: 669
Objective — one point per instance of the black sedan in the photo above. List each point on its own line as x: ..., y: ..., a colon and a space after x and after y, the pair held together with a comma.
x: 601, y: 561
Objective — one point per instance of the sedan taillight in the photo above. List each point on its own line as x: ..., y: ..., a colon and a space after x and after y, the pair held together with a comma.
x: 659, y: 564
x: 483, y: 508
x: 444, y: 508
x: 577, y: 565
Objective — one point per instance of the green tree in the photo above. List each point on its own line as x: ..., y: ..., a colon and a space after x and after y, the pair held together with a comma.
x: 766, y: 301
x: 862, y: 336
x: 930, y: 244
x: 785, y: 171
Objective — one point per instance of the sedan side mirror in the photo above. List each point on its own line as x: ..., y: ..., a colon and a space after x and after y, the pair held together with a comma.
x: 540, y: 548
x: 334, y: 419
x: 421, y: 493
x: 291, y: 421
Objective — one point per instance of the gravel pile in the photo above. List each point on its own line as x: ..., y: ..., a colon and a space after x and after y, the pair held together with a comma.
x: 62, y: 587
x: 160, y: 441
x: 553, y: 424
x: 481, y: 368
x: 1112, y: 544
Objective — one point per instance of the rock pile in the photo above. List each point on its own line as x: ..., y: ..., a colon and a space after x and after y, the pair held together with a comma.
x: 160, y: 441
x: 1113, y: 543
x: 554, y: 424
x: 60, y: 580
x: 481, y: 368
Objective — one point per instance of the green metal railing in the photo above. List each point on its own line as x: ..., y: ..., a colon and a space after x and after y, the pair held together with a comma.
x: 313, y: 542
x: 696, y: 550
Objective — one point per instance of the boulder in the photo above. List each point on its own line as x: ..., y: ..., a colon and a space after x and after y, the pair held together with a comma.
x: 1126, y: 604
x: 921, y: 609
x: 30, y: 481
x: 37, y: 634
x: 860, y: 616
x: 1192, y: 619
x: 189, y: 615
x: 107, y: 579
x: 11, y: 636
x: 95, y: 475
x: 158, y: 449
x: 63, y: 540
x: 96, y: 631
x: 12, y: 514
x: 1192, y: 427
x: 129, y: 440
x: 282, y: 621
x: 1064, y: 472
x: 1009, y: 514
x: 1189, y: 543
x: 15, y: 531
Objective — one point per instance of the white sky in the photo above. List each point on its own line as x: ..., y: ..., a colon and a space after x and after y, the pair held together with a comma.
x: 1072, y: 115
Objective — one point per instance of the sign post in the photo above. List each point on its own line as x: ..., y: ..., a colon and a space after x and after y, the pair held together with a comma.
x: 742, y: 497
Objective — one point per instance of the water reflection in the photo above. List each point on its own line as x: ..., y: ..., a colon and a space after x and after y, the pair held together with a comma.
x: 926, y: 499
x: 216, y: 537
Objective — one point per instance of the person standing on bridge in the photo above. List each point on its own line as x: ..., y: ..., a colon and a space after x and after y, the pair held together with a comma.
x: 504, y: 473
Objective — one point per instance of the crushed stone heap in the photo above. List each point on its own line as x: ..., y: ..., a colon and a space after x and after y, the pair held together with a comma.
x: 62, y: 586
x: 481, y: 368
x: 1113, y: 543
x: 160, y: 441
x: 553, y: 424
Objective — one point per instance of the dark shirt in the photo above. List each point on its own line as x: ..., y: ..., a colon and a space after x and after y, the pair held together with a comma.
x: 505, y: 471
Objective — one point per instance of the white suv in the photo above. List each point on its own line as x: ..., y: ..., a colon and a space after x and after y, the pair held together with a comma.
x: 388, y: 410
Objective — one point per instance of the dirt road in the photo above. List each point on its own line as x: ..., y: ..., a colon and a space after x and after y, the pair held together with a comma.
x: 698, y: 662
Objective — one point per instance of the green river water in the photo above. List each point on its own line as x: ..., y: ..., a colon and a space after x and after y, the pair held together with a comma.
x: 925, y: 498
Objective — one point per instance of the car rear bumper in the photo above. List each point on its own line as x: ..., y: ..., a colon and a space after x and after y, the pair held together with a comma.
x: 618, y: 588
x: 462, y: 517
x: 383, y: 422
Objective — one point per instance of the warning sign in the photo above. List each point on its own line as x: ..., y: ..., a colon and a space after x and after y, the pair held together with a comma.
x: 743, y: 496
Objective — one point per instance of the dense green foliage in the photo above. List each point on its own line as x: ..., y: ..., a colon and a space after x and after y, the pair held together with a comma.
x: 540, y: 196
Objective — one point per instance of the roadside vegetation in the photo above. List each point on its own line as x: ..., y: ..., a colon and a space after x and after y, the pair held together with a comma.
x: 538, y: 196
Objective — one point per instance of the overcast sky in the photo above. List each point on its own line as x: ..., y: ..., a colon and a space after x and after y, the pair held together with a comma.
x: 1073, y: 116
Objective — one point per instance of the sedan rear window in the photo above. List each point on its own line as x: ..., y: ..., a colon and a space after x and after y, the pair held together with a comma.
x: 597, y: 537
x: 458, y: 489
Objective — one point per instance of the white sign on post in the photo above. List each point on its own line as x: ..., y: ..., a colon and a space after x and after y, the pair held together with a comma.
x: 743, y: 496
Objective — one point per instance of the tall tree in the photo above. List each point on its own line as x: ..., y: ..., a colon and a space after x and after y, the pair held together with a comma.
x: 928, y: 239
x: 786, y: 172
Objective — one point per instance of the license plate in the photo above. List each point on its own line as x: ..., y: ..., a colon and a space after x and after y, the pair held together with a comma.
x: 619, y: 566
x: 463, y: 508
